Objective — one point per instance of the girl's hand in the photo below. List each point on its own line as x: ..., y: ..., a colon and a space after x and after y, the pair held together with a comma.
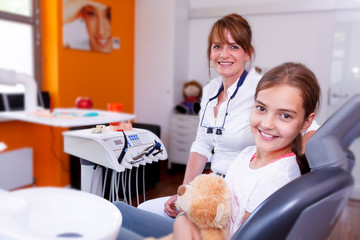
x: 185, y: 229
x: 170, y: 208
x: 72, y: 9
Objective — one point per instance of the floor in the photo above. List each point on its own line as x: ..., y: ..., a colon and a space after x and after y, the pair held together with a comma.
x: 347, y: 227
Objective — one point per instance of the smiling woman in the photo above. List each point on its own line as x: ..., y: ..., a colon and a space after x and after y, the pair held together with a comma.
x: 87, y: 25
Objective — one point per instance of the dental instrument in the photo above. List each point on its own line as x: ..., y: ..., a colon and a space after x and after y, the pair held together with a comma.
x: 116, y: 154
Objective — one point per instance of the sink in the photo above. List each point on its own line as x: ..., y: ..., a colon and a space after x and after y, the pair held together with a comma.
x: 3, y: 191
x: 57, y: 213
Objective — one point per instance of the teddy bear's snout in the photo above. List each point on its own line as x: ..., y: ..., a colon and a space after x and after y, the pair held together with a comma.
x: 181, y: 190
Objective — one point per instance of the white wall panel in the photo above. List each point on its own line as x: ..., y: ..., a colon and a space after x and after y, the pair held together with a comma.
x: 154, y: 62
x: 16, y: 168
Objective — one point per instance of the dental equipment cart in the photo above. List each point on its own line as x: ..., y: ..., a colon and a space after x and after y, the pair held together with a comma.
x: 115, y: 153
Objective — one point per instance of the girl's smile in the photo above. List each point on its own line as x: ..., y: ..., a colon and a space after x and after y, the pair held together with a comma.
x: 276, y: 119
x: 97, y: 18
x: 267, y: 137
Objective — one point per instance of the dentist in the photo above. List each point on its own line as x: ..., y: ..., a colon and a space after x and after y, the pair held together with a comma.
x: 224, y: 129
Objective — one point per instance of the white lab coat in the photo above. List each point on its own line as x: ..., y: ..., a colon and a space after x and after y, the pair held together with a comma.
x: 237, y: 135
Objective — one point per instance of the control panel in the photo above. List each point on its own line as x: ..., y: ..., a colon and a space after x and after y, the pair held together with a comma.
x: 115, y: 150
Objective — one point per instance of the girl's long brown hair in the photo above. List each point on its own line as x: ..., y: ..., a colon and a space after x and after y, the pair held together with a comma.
x: 299, y: 76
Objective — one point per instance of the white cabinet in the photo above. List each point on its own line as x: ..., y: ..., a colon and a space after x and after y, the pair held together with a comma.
x: 183, y: 130
x: 16, y: 168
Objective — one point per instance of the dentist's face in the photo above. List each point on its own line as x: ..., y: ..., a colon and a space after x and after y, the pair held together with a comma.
x: 228, y: 57
x: 97, y: 18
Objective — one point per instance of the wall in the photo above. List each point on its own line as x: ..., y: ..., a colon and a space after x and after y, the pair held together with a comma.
x: 102, y: 77
x: 159, y: 59
x: 68, y: 74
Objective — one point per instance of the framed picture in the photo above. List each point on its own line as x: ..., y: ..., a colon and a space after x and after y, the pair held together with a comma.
x: 87, y: 26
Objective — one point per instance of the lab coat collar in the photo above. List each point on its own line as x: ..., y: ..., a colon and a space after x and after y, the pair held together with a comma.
x: 232, y: 90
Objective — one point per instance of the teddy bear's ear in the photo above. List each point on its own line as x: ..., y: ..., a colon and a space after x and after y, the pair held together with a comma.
x: 219, y: 213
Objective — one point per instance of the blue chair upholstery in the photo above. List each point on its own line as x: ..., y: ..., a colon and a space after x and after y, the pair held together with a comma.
x: 309, y: 206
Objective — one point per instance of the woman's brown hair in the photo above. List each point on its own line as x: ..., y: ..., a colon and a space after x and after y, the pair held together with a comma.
x: 299, y: 76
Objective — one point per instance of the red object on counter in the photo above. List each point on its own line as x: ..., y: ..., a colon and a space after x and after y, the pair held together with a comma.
x: 83, y: 102
x: 114, y: 107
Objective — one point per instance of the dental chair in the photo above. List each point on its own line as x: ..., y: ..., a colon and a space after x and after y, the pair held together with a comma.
x: 309, y: 206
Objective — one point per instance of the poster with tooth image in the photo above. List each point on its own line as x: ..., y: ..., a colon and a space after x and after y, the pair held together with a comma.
x: 87, y: 26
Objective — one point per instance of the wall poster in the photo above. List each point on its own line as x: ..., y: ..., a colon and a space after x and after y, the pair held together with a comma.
x: 87, y: 26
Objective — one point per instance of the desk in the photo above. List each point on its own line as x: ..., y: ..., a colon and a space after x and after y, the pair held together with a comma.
x: 43, y: 133
x: 67, y: 117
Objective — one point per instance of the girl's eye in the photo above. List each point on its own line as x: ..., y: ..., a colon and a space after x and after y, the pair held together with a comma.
x: 285, y: 116
x: 90, y: 13
x: 260, y: 108
x: 234, y: 47
x: 216, y: 46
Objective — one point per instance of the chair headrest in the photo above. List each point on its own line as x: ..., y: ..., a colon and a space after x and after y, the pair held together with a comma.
x: 328, y: 147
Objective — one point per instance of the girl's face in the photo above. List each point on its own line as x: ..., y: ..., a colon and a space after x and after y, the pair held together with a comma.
x: 277, y: 118
x: 228, y: 59
x: 97, y: 19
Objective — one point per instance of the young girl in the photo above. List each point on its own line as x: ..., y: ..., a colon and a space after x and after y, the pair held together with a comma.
x: 285, y: 102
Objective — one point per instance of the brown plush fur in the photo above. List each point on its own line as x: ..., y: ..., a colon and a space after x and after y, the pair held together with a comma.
x: 207, y: 203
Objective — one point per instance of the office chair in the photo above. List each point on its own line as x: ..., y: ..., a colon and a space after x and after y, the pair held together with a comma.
x: 309, y: 206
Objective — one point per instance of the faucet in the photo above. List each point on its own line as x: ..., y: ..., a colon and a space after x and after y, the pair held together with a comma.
x: 10, y: 77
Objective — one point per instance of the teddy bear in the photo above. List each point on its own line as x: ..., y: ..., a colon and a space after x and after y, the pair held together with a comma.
x: 206, y: 201
x: 192, y: 93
